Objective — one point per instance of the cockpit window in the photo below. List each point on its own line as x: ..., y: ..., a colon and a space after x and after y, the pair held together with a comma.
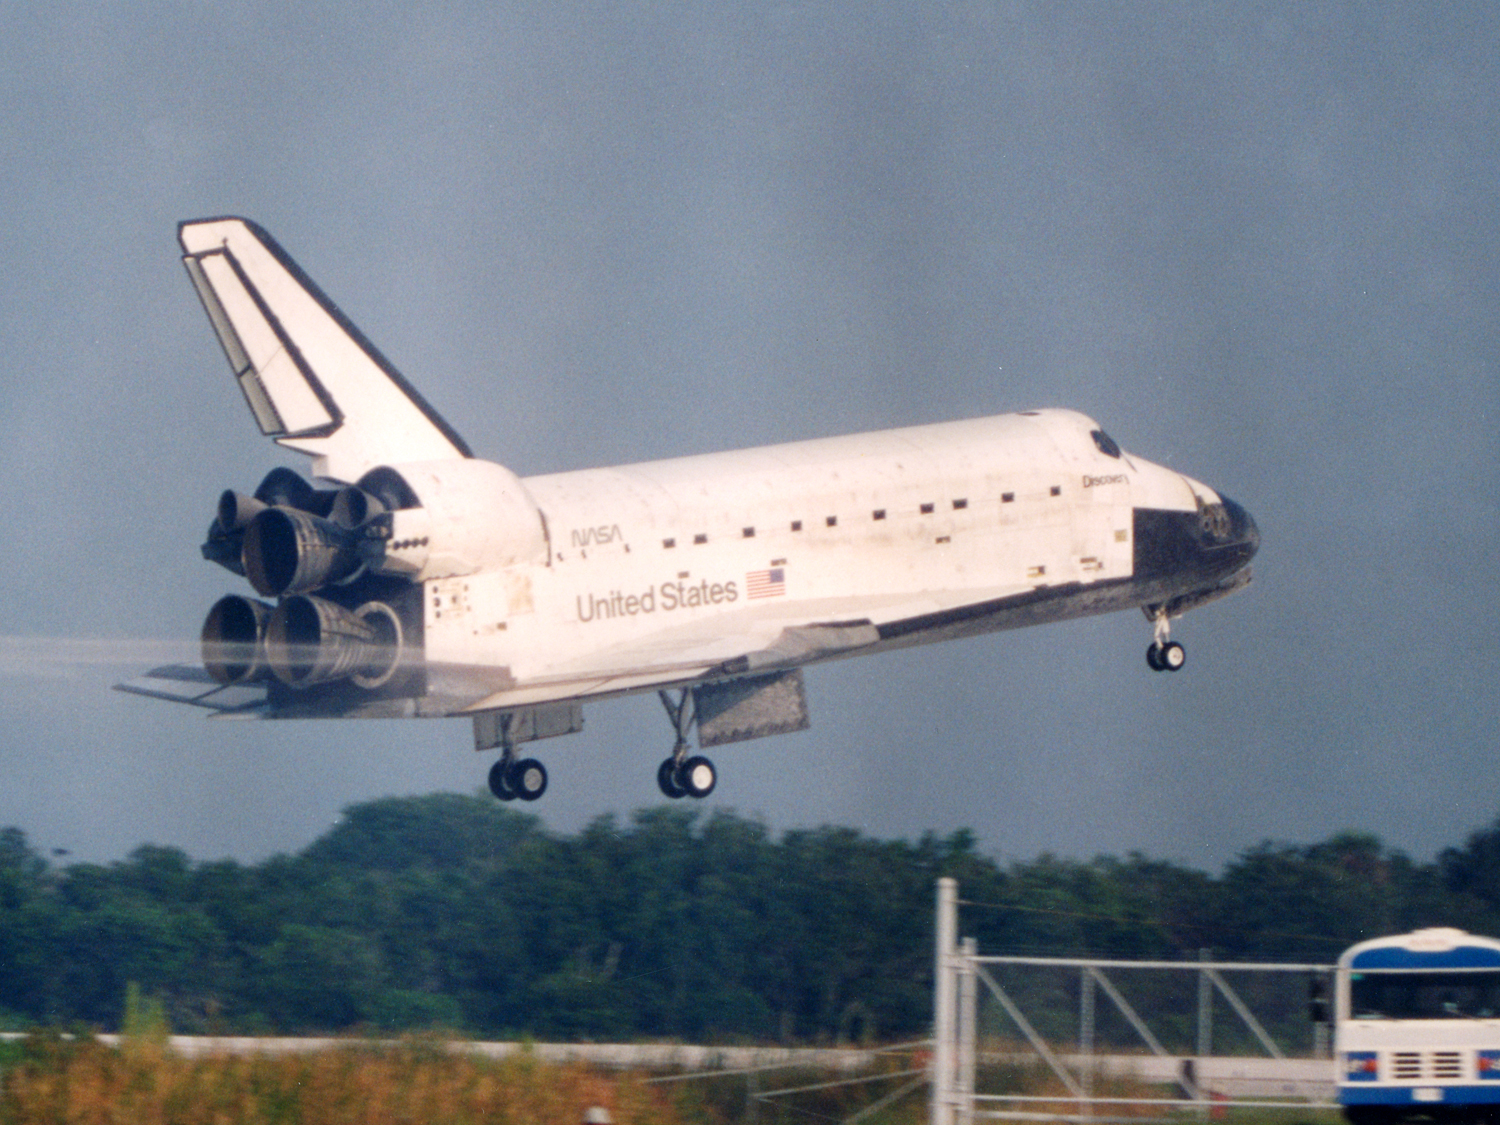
x: 1105, y: 443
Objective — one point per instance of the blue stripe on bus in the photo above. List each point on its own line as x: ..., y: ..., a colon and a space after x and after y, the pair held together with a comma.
x: 1394, y: 957
x: 1401, y: 1095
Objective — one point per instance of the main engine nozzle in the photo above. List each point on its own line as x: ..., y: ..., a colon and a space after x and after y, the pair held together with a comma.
x: 315, y: 641
x: 234, y: 636
x: 291, y: 552
x: 226, y: 535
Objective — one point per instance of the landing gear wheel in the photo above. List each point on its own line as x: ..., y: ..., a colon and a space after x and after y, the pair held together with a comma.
x: 1171, y: 657
x: 527, y: 779
x: 666, y: 779
x: 698, y: 776
x: 499, y: 783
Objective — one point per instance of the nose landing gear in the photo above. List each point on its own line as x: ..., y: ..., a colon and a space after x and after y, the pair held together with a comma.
x: 681, y: 775
x: 1164, y: 655
x: 1169, y: 657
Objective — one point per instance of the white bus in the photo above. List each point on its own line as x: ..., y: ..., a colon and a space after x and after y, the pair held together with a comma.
x: 1418, y: 1028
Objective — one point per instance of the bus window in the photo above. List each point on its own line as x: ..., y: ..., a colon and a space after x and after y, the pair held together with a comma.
x: 1424, y: 996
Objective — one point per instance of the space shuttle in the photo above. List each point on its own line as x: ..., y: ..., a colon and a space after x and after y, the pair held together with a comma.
x: 404, y: 577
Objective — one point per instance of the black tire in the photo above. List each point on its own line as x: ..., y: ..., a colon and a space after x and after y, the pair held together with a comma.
x: 666, y: 780
x: 1172, y: 657
x: 527, y: 779
x: 697, y: 776
x: 1153, y: 657
x: 499, y: 783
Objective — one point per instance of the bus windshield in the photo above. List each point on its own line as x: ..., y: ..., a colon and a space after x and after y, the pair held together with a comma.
x: 1424, y: 996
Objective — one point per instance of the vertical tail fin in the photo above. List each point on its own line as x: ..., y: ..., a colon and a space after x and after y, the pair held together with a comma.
x: 312, y: 380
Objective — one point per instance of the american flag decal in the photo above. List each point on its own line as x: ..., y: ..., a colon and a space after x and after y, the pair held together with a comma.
x: 766, y: 583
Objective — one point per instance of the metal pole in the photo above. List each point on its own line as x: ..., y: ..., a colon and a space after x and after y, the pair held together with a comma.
x: 1322, y: 1028
x: 1205, y: 1021
x: 944, y: 1002
x: 1086, y: 1033
x: 968, y: 1015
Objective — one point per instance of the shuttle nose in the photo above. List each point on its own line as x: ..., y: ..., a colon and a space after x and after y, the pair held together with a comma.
x: 1202, y: 547
x: 1227, y: 538
x: 1242, y: 530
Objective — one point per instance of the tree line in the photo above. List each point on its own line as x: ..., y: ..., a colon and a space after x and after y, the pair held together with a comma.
x: 453, y: 911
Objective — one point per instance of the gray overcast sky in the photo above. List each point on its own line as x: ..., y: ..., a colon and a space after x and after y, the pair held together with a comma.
x: 1258, y: 242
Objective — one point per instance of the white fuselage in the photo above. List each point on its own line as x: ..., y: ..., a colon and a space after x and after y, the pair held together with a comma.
x: 715, y: 555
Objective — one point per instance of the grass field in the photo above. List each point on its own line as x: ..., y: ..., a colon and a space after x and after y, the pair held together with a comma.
x: 52, y: 1079
x: 59, y: 1081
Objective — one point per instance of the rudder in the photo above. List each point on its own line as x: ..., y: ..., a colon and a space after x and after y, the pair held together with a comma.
x: 312, y: 380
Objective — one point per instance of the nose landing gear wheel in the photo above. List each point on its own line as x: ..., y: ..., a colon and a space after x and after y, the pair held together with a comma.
x: 1169, y: 657
x: 1164, y: 655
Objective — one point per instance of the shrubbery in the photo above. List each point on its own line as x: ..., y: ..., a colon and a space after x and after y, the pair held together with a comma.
x: 455, y: 912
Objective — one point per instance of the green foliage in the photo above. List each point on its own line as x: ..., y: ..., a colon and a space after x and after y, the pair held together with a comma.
x: 145, y: 1019
x: 440, y: 831
x: 455, y: 912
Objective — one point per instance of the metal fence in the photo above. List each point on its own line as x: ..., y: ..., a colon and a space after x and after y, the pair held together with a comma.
x: 1199, y: 1078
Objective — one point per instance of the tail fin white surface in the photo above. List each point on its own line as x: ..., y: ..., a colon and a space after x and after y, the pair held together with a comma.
x: 312, y: 380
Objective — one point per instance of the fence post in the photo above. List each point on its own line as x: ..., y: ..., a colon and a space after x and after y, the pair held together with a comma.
x: 1086, y: 1034
x: 945, y: 998
x: 968, y: 1031
x: 1205, y: 1008
x: 1205, y: 1022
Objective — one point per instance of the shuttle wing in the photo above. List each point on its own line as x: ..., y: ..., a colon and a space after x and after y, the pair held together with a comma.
x: 313, y: 382
x: 715, y: 650
x: 812, y: 631
x: 184, y: 683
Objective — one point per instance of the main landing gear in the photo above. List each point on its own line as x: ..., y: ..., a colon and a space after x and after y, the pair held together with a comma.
x: 509, y: 778
x: 1164, y: 655
x: 681, y: 775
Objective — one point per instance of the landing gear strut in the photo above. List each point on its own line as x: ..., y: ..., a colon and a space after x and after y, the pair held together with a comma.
x: 681, y: 775
x: 1164, y: 655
